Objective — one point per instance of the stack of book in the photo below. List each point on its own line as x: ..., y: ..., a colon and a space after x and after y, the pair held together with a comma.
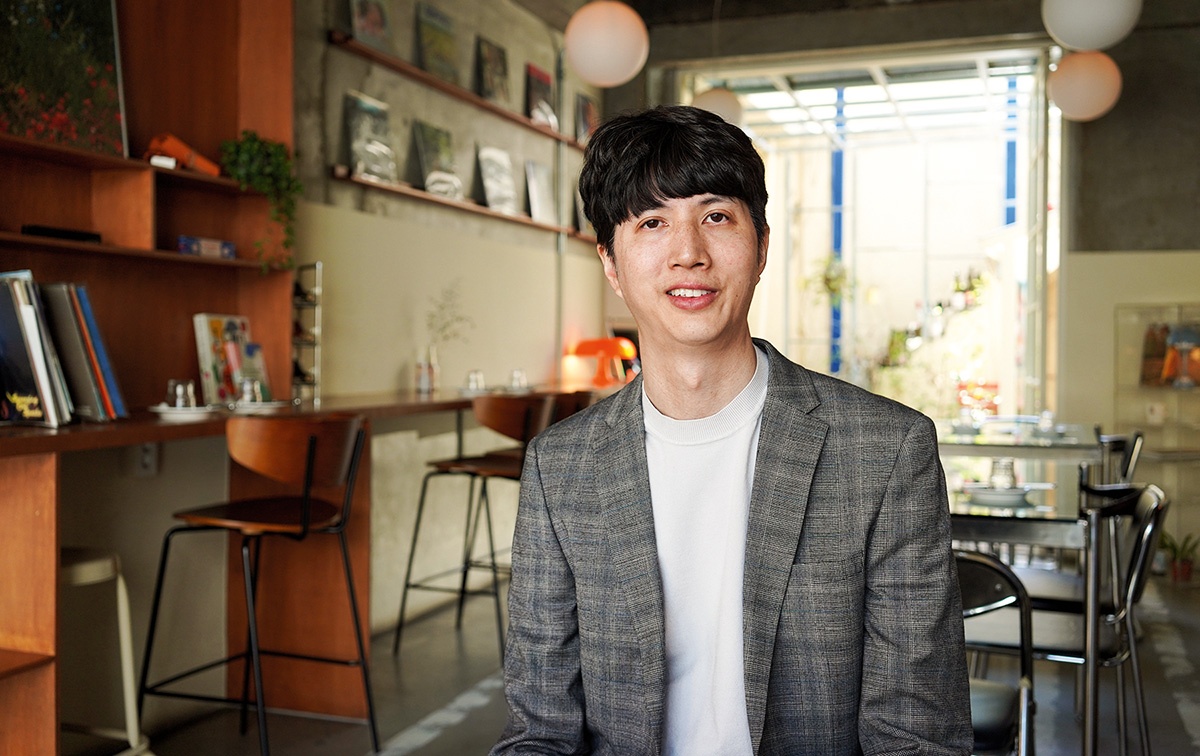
x: 53, y: 364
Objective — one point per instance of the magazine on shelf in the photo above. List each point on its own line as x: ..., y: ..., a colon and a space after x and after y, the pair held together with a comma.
x: 541, y: 192
x: 108, y: 376
x: 368, y: 139
x: 491, y: 71
x: 82, y: 372
x: 436, y: 45
x: 369, y: 23
x: 539, y: 97
x: 499, y: 186
x: 435, y: 152
x: 587, y: 117
x: 47, y: 371
x: 221, y: 343
x: 21, y: 396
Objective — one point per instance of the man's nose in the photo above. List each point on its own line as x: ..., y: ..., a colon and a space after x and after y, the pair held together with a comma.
x: 689, y: 248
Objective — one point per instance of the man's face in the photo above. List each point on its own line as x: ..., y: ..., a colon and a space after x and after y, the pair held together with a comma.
x: 687, y: 271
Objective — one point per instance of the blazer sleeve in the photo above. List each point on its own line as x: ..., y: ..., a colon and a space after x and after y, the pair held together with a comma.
x: 915, y: 693
x: 542, y: 678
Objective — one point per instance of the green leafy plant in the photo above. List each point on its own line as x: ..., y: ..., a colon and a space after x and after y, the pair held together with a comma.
x: 1180, y: 550
x: 265, y: 166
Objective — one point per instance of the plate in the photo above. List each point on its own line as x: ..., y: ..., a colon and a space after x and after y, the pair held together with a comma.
x: 185, y: 414
x: 259, y: 408
x: 999, y: 497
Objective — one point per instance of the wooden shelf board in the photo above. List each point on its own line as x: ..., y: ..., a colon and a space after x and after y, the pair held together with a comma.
x: 10, y: 239
x: 348, y: 43
x: 15, y: 662
x: 72, y: 156
x: 340, y: 172
x: 184, y: 177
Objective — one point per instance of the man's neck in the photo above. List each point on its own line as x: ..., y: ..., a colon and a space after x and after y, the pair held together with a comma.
x: 690, y: 384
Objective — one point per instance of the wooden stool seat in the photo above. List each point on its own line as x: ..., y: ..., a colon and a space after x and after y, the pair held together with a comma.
x: 279, y: 514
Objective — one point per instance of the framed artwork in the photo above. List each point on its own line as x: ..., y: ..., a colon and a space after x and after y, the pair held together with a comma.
x: 436, y: 44
x: 60, y: 74
x: 369, y: 23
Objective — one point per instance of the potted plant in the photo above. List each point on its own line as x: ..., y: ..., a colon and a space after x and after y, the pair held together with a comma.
x: 1182, y: 553
x: 265, y: 166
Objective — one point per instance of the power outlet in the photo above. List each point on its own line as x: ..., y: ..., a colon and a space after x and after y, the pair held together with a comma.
x: 141, y: 460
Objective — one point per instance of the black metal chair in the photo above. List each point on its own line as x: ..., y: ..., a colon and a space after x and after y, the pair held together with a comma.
x: 519, y: 417
x: 1059, y: 630
x: 1001, y: 714
x: 308, y: 454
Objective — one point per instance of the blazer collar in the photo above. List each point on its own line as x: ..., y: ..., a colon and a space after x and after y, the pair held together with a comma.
x: 789, y: 444
x: 621, y: 450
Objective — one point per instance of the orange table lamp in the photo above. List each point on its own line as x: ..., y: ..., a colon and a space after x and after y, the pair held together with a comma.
x: 608, y: 353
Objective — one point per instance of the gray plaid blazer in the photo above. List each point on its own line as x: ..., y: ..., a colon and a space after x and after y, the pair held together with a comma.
x: 852, y: 624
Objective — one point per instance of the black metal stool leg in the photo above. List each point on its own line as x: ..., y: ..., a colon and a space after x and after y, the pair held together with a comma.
x: 246, y: 655
x: 472, y: 527
x: 485, y: 504
x: 154, y: 605
x: 260, y: 704
x: 358, y: 639
x: 412, y: 553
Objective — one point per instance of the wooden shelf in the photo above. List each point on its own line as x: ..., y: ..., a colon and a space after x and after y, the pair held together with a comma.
x: 26, y: 241
x: 351, y: 45
x: 340, y: 172
x: 15, y: 662
x: 63, y: 155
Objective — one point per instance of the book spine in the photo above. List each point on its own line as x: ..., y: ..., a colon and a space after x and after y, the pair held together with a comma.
x: 37, y: 357
x: 65, y: 329
x: 110, y: 378
x: 93, y: 361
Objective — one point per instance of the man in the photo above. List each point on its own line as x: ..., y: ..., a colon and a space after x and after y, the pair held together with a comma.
x: 731, y: 555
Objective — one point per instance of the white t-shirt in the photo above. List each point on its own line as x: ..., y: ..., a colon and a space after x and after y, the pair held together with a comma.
x: 701, y: 473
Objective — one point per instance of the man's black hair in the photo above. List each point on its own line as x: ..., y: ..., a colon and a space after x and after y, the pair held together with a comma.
x: 635, y: 162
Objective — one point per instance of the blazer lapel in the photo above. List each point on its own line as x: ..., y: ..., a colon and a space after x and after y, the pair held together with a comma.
x: 625, y: 487
x: 790, y: 442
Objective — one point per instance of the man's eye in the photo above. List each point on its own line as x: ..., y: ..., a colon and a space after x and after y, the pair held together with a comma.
x: 718, y: 217
x: 651, y: 223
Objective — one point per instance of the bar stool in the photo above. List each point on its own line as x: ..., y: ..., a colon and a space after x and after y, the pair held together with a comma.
x: 82, y: 566
x: 311, y: 453
x: 519, y: 417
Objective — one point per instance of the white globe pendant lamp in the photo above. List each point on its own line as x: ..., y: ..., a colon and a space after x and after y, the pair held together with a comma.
x: 606, y: 43
x: 1090, y: 24
x: 1085, y: 85
x: 721, y: 101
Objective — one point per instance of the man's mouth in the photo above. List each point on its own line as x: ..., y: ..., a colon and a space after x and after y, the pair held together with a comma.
x: 689, y: 293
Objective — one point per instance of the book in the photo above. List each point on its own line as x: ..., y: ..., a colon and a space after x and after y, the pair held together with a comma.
x: 21, y: 400
x: 436, y: 46
x: 221, y: 342
x: 56, y: 398
x: 491, y: 71
x: 435, y: 152
x: 499, y: 188
x: 107, y: 375
x: 82, y: 380
x: 539, y: 97
x: 202, y: 246
x: 541, y: 192
x: 587, y: 117
x: 368, y: 139
x: 93, y: 361
x: 369, y: 23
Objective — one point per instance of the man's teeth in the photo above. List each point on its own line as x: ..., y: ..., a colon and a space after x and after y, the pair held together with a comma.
x: 687, y: 292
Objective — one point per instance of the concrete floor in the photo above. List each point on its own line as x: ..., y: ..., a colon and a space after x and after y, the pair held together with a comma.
x: 443, y: 697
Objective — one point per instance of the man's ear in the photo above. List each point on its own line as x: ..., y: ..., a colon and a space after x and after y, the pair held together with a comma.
x: 610, y: 269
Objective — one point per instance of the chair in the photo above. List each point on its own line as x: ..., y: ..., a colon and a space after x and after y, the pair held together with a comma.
x: 1058, y: 634
x: 311, y: 455
x: 80, y: 567
x: 519, y: 417
x: 1001, y: 715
